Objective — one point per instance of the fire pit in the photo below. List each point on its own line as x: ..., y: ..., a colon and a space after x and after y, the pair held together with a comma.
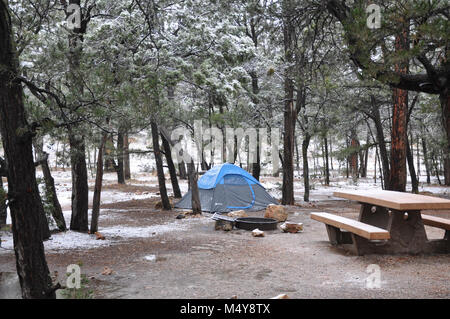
x: 251, y: 223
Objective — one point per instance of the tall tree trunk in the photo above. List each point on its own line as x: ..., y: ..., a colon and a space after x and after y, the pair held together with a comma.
x: 305, y: 145
x: 80, y: 189
x: 426, y: 160
x: 126, y: 156
x: 171, y: 166
x: 288, y: 155
x: 64, y: 157
x: 159, y: 168
x: 399, y: 121
x: 44, y: 220
x: 110, y: 163
x: 382, y: 144
x: 56, y: 210
x: 256, y: 167
x: 289, y: 109
x: 436, y: 169
x: 375, y: 167
x: 327, y: 168
x: 120, y: 156
x: 347, y: 159
x: 445, y: 105
x: 331, y: 154
x: 354, y: 144
x: 412, y: 170
x: 3, y: 209
x: 25, y: 202
x: 419, y: 171
x: 364, y: 158
x: 98, y: 186
x: 195, y: 196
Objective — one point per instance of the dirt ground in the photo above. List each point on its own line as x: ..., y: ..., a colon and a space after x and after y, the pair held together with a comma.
x: 198, y: 262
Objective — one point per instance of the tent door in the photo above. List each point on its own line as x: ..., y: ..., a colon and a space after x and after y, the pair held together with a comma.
x: 236, y: 180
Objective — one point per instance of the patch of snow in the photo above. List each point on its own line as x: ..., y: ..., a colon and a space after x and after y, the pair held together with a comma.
x: 68, y: 240
x: 150, y: 258
x: 149, y: 231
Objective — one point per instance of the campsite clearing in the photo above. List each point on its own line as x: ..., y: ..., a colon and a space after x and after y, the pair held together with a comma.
x: 192, y: 260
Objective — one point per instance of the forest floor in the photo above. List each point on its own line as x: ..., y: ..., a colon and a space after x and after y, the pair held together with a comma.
x: 150, y: 254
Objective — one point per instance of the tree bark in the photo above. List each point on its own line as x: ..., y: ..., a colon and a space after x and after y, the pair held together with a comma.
x: 39, y: 146
x: 24, y: 200
x: 445, y: 105
x: 426, y: 160
x: 98, y: 186
x: 412, y: 170
x: 171, y: 166
x: 120, y: 156
x: 110, y: 163
x: 80, y: 189
x: 79, y: 219
x: 3, y: 209
x: 290, y: 115
x: 159, y: 168
x: 399, y: 137
x: 382, y: 144
x: 353, y: 161
x: 126, y: 158
x: 256, y: 167
x: 327, y: 167
x: 305, y: 145
x: 56, y: 210
x: 195, y: 196
x: 398, y: 142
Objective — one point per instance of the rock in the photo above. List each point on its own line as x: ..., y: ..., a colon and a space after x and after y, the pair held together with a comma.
x: 292, y: 227
x: 99, y: 236
x: 237, y: 214
x: 181, y: 216
x: 223, y: 225
x: 107, y: 271
x: 258, y: 233
x: 282, y: 296
x: 277, y: 212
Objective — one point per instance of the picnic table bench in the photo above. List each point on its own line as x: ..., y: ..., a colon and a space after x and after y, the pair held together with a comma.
x: 389, y: 223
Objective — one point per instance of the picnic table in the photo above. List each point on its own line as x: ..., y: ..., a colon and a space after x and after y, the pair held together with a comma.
x: 389, y: 223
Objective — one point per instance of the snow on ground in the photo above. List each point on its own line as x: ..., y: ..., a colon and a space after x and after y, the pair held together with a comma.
x: 71, y: 240
x: 141, y: 167
x: 114, y: 234
x: 149, y: 231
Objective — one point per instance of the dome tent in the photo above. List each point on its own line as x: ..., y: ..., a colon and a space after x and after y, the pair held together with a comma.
x: 227, y: 187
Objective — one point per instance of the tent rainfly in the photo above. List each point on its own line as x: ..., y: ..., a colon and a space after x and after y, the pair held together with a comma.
x: 227, y: 187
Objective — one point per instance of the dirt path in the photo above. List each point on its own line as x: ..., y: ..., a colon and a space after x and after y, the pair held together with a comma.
x: 195, y: 261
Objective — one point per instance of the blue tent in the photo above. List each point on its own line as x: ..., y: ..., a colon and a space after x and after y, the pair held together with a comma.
x: 228, y: 187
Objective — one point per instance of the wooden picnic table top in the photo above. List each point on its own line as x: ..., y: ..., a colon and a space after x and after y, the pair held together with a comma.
x: 396, y: 200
